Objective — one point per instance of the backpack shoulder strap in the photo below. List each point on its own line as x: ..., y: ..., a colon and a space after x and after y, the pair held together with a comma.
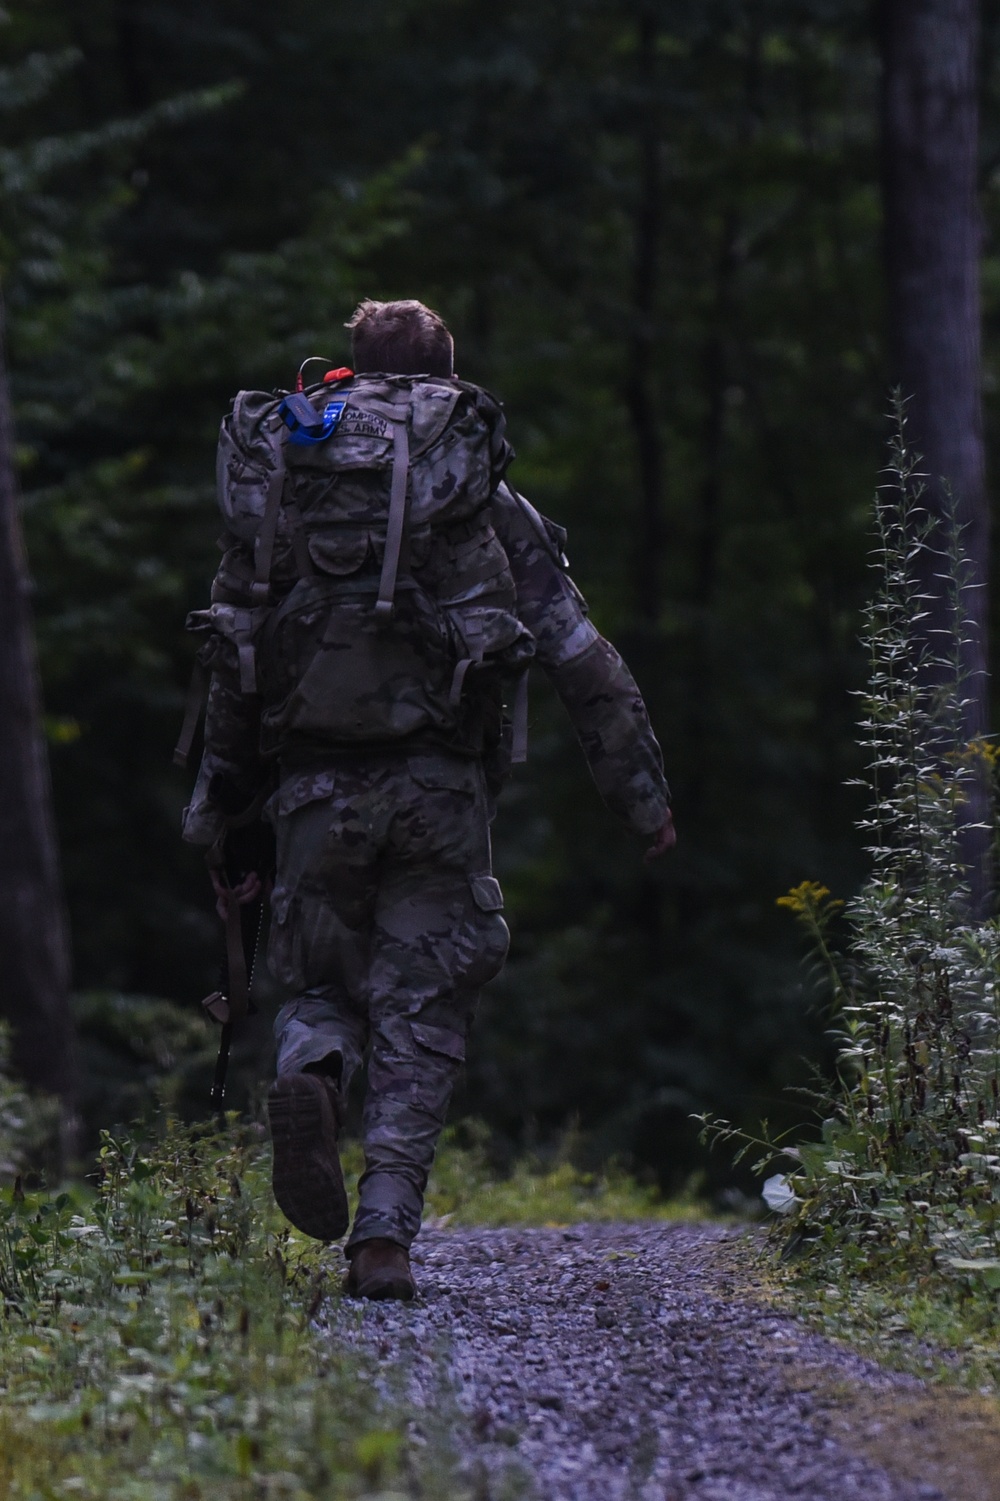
x: 272, y: 421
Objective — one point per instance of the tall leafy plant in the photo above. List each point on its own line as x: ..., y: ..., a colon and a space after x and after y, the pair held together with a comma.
x: 909, y: 1161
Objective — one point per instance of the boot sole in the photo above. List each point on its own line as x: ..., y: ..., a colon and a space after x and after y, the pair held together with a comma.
x: 306, y: 1177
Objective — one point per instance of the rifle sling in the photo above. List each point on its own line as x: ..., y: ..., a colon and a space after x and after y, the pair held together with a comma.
x: 234, y: 1006
x: 239, y: 981
x: 519, y: 718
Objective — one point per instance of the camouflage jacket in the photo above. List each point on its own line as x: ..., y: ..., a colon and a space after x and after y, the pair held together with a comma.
x: 588, y: 674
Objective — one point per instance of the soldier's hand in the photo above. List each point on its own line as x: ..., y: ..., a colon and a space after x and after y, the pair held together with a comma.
x: 665, y: 839
x: 248, y: 890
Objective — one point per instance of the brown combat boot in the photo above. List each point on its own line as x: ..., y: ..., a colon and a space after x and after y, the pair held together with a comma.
x: 380, y: 1269
x: 306, y: 1175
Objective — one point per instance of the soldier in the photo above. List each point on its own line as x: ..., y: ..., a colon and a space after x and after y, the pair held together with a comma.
x: 386, y: 919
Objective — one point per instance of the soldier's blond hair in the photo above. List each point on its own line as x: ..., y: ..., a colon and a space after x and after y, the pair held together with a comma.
x: 400, y: 338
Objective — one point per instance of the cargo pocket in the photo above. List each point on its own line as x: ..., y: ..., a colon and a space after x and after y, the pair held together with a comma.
x: 284, y: 947
x: 440, y: 1040
x: 440, y: 773
x: 440, y: 1053
x: 492, y: 933
x: 340, y: 553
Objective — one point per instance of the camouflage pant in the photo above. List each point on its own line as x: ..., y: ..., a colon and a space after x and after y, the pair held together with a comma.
x: 385, y: 924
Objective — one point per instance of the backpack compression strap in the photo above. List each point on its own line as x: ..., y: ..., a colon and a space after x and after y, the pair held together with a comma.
x: 291, y: 419
x: 263, y: 551
x: 193, y: 704
x: 397, y: 513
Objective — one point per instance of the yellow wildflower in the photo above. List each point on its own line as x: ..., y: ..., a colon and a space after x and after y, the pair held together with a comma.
x: 978, y: 749
x: 808, y: 896
x: 987, y: 750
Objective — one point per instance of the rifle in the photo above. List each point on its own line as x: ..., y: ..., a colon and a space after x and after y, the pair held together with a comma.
x: 246, y: 846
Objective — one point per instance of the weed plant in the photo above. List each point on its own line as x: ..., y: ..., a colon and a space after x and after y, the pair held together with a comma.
x: 29, y: 1123
x: 161, y: 1334
x: 905, y: 1176
x: 158, y: 1341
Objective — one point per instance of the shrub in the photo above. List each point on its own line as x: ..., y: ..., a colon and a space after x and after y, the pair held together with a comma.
x: 158, y: 1341
x: 909, y: 1158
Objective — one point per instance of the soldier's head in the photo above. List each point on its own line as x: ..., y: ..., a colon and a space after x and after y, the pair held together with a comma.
x: 400, y: 338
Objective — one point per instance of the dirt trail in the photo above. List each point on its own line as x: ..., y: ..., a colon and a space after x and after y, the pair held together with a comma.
x: 621, y: 1363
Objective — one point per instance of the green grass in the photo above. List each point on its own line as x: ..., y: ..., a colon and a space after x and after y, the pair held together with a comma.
x: 925, y: 1325
x: 157, y: 1343
x: 465, y: 1188
x: 937, y: 1327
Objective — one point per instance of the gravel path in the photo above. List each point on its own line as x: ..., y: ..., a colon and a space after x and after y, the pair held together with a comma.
x: 617, y: 1363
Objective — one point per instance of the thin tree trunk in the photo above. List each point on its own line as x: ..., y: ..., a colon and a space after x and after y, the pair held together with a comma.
x: 930, y: 132
x: 645, y: 648
x: 127, y: 35
x: 702, y: 677
x: 715, y: 368
x: 639, y: 392
x: 723, y: 323
x: 34, y: 944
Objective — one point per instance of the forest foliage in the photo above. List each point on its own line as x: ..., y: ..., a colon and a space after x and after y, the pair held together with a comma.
x: 654, y: 228
x: 905, y: 1175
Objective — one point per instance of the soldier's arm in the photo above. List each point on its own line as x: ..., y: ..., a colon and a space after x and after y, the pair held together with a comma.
x: 599, y: 692
x: 232, y: 771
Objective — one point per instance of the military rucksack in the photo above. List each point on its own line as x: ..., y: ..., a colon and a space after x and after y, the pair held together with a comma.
x: 374, y: 602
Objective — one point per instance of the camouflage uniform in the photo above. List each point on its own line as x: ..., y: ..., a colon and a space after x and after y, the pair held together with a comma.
x: 386, y: 918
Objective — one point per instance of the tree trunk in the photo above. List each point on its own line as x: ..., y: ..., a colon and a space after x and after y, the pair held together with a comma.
x: 34, y: 944
x: 127, y: 36
x: 702, y: 692
x: 930, y: 132
x: 643, y: 645
x: 639, y: 392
